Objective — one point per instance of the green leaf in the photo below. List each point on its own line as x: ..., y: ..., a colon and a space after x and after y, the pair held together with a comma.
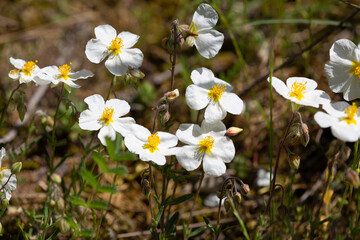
x: 100, y: 161
x: 158, y: 216
x: 107, y: 188
x: 179, y: 199
x: 71, y: 222
x: 89, y: 177
x: 171, y: 224
x: 86, y: 233
x: 21, y: 108
x: 98, y: 204
x: 54, y: 234
x: 77, y: 201
x: 120, y: 170
x: 197, y: 231
x: 208, y: 224
x: 125, y: 156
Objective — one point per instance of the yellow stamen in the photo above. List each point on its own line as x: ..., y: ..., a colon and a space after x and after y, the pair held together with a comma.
x: 116, y: 45
x: 193, y: 30
x: 298, y: 90
x: 355, y: 69
x: 153, y: 142
x: 107, y: 116
x: 206, y: 144
x: 351, y: 112
x: 28, y: 68
x: 3, y: 168
x: 216, y: 92
x: 64, y: 70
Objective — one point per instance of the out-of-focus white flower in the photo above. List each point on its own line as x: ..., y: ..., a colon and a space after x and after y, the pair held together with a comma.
x: 64, y: 74
x: 212, y: 93
x: 26, y: 72
x: 6, y: 178
x: 150, y: 147
x: 117, y: 47
x: 206, y: 40
x: 342, y: 118
x: 207, y: 144
x: 343, y: 70
x: 301, y: 91
x: 106, y: 116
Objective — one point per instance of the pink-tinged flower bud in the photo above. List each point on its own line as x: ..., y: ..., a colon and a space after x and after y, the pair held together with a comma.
x: 166, y: 117
x: 353, y: 178
x: 172, y: 95
x: 233, y: 131
x: 237, y: 198
x: 304, y: 131
x: 294, y: 160
x: 244, y: 189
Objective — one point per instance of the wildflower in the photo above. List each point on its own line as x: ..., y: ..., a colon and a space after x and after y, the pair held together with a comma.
x: 117, y: 47
x: 301, y: 91
x: 343, y: 70
x: 206, y: 40
x: 64, y: 74
x: 342, y: 118
x: 207, y: 144
x: 150, y: 147
x: 26, y: 72
x: 106, y: 116
x: 7, y: 179
x: 212, y: 93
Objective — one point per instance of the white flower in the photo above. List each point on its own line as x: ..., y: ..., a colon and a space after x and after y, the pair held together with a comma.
x: 206, y: 144
x: 64, y: 74
x: 342, y: 118
x: 150, y: 147
x: 5, y: 174
x: 212, y: 93
x: 117, y: 47
x: 206, y: 40
x: 343, y: 70
x: 301, y: 91
x: 106, y: 117
x: 26, y: 72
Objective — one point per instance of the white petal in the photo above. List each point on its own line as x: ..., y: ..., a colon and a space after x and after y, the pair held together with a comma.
x: 96, y: 103
x: 213, y: 166
x: 324, y: 120
x: 2, y: 154
x: 205, y: 17
x: 224, y: 149
x: 214, y: 112
x: 202, y: 76
x: 156, y: 158
x: 353, y: 91
x: 280, y: 87
x: 14, y: 74
x: 336, y: 109
x: 123, y: 125
x: 82, y: 74
x: 106, y: 131
x: 186, y: 157
x: 96, y: 50
x: 343, y: 49
x: 345, y: 132
x: 129, y: 39
x: 232, y: 103
x: 89, y: 121
x: 215, y: 129
x: 133, y: 144
x: 121, y: 107
x: 140, y: 132
x: 167, y: 140
x: 115, y: 65
x: 105, y: 33
x: 189, y: 133
x: 209, y: 42
x: 17, y: 63
x: 132, y: 57
x: 339, y: 75
x: 196, y: 97
x: 70, y: 83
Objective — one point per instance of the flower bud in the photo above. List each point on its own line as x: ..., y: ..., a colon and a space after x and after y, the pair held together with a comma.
x: 172, y: 95
x: 282, y: 211
x: 237, y: 198
x: 304, y: 133
x: 60, y: 204
x: 137, y: 73
x: 233, y: 131
x: 145, y: 184
x: 343, y: 154
x: 353, y: 178
x: 63, y: 225
x: 52, y: 203
x: 294, y: 134
x: 227, y: 205
x: 244, y: 189
x: 16, y: 167
x: 55, y: 178
x: 294, y: 160
x: 1, y: 229
x: 166, y: 117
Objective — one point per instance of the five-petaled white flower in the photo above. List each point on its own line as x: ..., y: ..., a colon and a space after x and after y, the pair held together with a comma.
x: 106, y: 117
x: 64, y: 74
x: 301, y: 91
x: 206, y: 40
x: 342, y: 118
x: 212, y: 93
x: 150, y: 147
x: 26, y: 72
x: 117, y: 47
x: 5, y: 174
x: 343, y: 70
x: 207, y: 144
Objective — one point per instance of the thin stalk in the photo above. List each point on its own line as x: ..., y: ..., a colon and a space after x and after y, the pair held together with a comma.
x: 111, y: 88
x: 271, y: 147
x: 196, y: 197
x: 173, y: 62
x: 150, y: 199
x: 237, y: 215
x: 7, y: 104
x: 355, y: 163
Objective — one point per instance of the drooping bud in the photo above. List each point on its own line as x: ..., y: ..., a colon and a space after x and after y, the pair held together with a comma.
x: 294, y: 134
x: 352, y: 177
x: 60, y: 204
x: 237, y: 198
x: 282, y: 211
x: 166, y: 117
x: 63, y: 225
x: 294, y: 160
x: 227, y: 205
x: 136, y: 73
x: 16, y: 167
x: 145, y: 185
x: 343, y: 154
x: 1, y: 229
x: 244, y: 189
x: 304, y: 133
x: 172, y: 95
x: 233, y: 131
x: 55, y: 178
x: 52, y: 203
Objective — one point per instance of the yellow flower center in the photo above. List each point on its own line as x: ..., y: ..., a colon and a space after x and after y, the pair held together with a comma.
x: 3, y: 168
x: 216, y: 92
x: 206, y: 144
x: 116, y: 45
x: 64, y: 70
x: 298, y: 90
x: 28, y: 68
x: 193, y: 30
x: 153, y: 143
x: 107, y: 116
x: 351, y: 112
x: 355, y: 69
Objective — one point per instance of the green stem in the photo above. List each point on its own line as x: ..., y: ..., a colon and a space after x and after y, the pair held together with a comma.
x: 7, y: 104
x: 237, y: 215
x: 111, y: 88
x: 196, y: 197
